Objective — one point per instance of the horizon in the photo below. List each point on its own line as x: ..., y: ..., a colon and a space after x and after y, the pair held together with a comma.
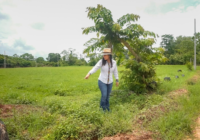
x: 55, y: 26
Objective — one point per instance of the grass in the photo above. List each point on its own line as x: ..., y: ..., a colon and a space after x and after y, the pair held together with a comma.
x: 69, y: 105
x: 180, y: 122
x: 171, y: 71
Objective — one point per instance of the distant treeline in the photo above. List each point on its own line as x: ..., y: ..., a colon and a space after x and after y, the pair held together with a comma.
x: 65, y: 58
x: 180, y: 50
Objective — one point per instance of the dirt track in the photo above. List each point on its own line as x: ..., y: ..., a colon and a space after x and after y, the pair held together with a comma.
x: 196, y: 131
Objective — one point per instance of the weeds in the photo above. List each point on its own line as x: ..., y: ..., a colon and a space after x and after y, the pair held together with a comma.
x: 179, y: 123
x: 71, y: 104
x: 189, y: 65
x: 29, y: 124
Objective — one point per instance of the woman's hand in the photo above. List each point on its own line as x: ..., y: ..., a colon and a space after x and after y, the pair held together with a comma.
x: 117, y: 84
x: 87, y: 76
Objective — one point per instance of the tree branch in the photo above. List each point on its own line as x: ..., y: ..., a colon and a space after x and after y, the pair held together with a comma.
x: 130, y: 49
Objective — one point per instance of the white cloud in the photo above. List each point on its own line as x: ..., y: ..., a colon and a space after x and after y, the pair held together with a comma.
x: 174, y: 22
x: 61, y: 21
x: 161, y: 2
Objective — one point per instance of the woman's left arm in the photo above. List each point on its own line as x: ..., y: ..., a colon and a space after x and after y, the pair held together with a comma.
x: 116, y: 75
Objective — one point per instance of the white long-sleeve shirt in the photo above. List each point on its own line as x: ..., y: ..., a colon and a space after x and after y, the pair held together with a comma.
x: 105, y: 76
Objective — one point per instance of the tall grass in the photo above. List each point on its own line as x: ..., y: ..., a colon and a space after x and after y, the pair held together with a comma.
x: 180, y: 122
x: 172, y: 71
x: 73, y: 102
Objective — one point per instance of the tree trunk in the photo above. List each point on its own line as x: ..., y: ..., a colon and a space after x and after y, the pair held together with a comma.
x: 3, y: 132
x: 130, y: 49
x: 110, y: 44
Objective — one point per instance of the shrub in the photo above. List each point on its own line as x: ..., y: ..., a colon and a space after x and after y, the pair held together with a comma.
x: 60, y: 92
x: 189, y: 65
x: 139, y: 77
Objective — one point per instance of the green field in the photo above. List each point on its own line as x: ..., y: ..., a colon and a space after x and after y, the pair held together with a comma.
x: 59, y: 103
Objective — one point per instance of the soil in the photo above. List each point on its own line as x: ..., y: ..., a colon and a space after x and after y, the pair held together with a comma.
x: 178, y: 92
x: 195, y: 78
x: 6, y: 110
x: 135, y: 135
x: 196, y: 131
x: 9, y: 110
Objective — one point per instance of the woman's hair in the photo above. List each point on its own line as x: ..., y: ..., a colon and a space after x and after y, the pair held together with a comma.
x: 104, y: 61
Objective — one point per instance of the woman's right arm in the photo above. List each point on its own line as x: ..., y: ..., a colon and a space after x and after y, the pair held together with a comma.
x: 94, y: 69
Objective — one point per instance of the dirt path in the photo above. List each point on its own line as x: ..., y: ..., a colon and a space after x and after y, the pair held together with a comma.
x: 135, y: 135
x: 196, y: 131
x: 9, y: 110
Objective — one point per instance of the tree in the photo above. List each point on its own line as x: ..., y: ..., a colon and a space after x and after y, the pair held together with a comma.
x: 1, y: 60
x: 140, y: 71
x: 40, y: 60
x: 27, y: 56
x: 94, y: 58
x: 69, y: 56
x: 80, y: 62
x: 197, y: 41
x: 168, y: 43
x: 53, y: 57
x: 15, y: 55
x: 181, y: 49
x: 117, y: 34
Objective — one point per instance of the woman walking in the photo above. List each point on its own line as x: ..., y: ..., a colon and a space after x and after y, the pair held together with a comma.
x: 105, y: 81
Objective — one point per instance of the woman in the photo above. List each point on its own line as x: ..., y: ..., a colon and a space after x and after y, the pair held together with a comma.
x: 105, y: 81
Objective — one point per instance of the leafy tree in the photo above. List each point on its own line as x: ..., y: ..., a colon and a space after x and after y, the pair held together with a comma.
x: 40, y: 60
x: 1, y: 60
x: 140, y: 71
x: 80, y: 62
x: 94, y: 58
x: 70, y: 56
x: 181, y: 49
x: 168, y: 42
x: 197, y: 42
x: 53, y: 57
x: 185, y: 47
x: 27, y: 56
x: 15, y: 55
x: 117, y: 34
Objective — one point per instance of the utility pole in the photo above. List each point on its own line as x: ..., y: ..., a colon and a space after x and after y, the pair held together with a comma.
x: 4, y: 59
x: 194, y: 44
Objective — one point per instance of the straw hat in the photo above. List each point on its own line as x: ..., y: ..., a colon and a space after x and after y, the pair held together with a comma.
x: 106, y: 51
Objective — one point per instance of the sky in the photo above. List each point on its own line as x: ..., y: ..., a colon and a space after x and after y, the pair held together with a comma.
x: 41, y: 27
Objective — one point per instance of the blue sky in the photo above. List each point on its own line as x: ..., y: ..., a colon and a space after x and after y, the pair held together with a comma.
x: 40, y: 27
x: 170, y: 6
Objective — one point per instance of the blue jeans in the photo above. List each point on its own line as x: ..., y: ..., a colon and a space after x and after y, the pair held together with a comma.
x: 105, y: 95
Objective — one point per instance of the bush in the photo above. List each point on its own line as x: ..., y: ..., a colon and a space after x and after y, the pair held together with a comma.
x: 60, y: 92
x: 139, y: 77
x: 189, y: 65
